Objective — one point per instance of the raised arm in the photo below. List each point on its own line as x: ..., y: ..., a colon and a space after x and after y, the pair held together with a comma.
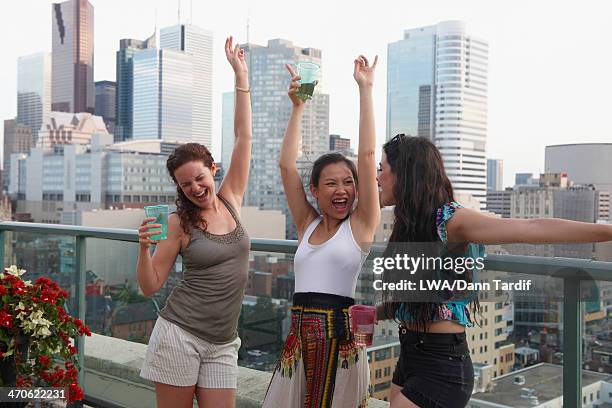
x: 472, y: 226
x: 300, y: 208
x: 235, y: 182
x: 367, y: 214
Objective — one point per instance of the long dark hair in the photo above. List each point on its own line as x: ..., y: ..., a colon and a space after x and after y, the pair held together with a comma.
x: 421, y: 188
x: 188, y: 212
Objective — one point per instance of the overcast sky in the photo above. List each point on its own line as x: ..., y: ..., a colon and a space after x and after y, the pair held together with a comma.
x: 550, y: 66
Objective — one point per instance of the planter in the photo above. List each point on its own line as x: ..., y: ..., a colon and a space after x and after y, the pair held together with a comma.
x: 8, y: 370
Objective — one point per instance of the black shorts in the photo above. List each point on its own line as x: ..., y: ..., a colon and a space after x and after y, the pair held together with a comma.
x: 434, y: 369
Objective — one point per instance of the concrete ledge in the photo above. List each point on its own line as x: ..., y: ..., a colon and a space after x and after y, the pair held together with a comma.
x: 112, y: 377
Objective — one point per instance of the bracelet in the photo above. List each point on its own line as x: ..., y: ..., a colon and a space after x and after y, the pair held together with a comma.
x: 245, y: 90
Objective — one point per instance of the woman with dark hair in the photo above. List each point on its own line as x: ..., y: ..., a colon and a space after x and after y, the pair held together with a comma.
x: 193, y: 349
x: 434, y: 368
x: 320, y: 365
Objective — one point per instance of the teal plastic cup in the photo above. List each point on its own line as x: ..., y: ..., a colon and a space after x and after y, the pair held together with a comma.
x: 160, y: 212
x: 309, y: 74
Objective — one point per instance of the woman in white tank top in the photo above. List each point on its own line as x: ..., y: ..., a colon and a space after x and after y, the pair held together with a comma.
x: 320, y: 365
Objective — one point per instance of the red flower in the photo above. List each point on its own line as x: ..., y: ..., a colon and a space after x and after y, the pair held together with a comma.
x: 23, y: 382
x: 6, y: 320
x: 72, y: 349
x: 48, y: 296
x: 44, y: 361
x: 75, y: 393
x: 3, y: 290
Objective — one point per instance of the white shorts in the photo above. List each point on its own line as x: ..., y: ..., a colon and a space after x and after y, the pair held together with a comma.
x: 176, y: 357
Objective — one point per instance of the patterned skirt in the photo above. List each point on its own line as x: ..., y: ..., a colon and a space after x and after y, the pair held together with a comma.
x: 320, y: 365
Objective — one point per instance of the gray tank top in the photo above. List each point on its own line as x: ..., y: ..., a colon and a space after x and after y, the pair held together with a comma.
x: 207, y: 302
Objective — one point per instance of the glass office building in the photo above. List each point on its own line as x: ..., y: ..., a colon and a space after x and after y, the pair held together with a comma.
x: 73, y: 57
x: 198, y: 43
x: 33, y: 91
x: 163, y: 94
x: 125, y: 85
x: 437, y: 79
x: 271, y: 110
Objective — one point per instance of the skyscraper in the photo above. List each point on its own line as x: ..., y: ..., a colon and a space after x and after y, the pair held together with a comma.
x: 106, y: 96
x: 227, y: 128
x: 33, y: 91
x: 72, y: 35
x: 17, y: 139
x: 125, y: 85
x: 495, y: 174
x: 163, y: 93
x: 271, y: 109
x: 437, y: 88
x: 198, y: 43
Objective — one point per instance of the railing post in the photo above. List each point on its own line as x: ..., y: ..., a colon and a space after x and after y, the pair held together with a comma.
x: 2, y: 243
x: 80, y: 283
x: 572, y: 343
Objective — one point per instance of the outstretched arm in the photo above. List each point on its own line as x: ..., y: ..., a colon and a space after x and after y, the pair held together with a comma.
x: 235, y: 182
x: 472, y: 226
x: 367, y: 215
x: 300, y: 208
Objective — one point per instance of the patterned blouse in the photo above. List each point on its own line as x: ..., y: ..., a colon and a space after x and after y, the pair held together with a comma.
x: 456, y: 311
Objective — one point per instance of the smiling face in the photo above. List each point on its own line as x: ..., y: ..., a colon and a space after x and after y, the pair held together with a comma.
x: 197, y: 182
x: 386, y: 182
x: 336, y: 190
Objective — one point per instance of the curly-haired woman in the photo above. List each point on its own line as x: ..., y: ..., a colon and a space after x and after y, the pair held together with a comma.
x: 193, y: 349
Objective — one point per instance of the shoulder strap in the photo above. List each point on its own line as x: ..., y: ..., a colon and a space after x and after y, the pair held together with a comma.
x: 310, y: 229
x: 230, y: 208
x: 445, y: 213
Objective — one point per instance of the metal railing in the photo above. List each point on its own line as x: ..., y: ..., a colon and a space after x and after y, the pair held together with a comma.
x: 572, y: 271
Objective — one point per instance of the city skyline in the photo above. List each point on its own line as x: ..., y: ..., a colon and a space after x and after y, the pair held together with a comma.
x: 536, y: 73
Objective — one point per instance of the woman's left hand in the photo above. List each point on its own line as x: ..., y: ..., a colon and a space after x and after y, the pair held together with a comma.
x: 363, y: 72
x: 235, y: 56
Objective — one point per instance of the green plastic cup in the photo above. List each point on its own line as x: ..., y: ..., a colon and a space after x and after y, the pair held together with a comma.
x: 309, y: 74
x: 160, y: 212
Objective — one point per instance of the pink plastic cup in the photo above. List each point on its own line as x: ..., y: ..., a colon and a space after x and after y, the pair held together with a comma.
x: 362, y: 319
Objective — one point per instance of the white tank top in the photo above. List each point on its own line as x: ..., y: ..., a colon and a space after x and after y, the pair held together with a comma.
x: 331, y: 267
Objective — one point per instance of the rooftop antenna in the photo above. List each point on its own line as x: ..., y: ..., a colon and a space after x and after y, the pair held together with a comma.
x: 155, y: 32
x: 248, y: 27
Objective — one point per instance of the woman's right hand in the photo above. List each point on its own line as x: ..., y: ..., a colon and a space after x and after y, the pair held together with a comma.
x: 293, y: 87
x: 144, y: 235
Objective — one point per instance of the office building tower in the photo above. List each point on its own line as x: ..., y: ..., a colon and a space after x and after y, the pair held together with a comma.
x: 198, y: 43
x: 495, y: 175
x: 163, y: 92
x: 125, y: 84
x: 271, y: 109
x: 437, y: 81
x: 33, y: 91
x: 72, y: 33
x: 106, y: 97
x: 17, y: 139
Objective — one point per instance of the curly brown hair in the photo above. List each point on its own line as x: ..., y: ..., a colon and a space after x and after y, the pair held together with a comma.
x: 188, y: 212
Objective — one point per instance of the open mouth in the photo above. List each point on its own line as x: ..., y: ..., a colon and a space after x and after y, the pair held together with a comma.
x: 203, y: 195
x: 340, y: 204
